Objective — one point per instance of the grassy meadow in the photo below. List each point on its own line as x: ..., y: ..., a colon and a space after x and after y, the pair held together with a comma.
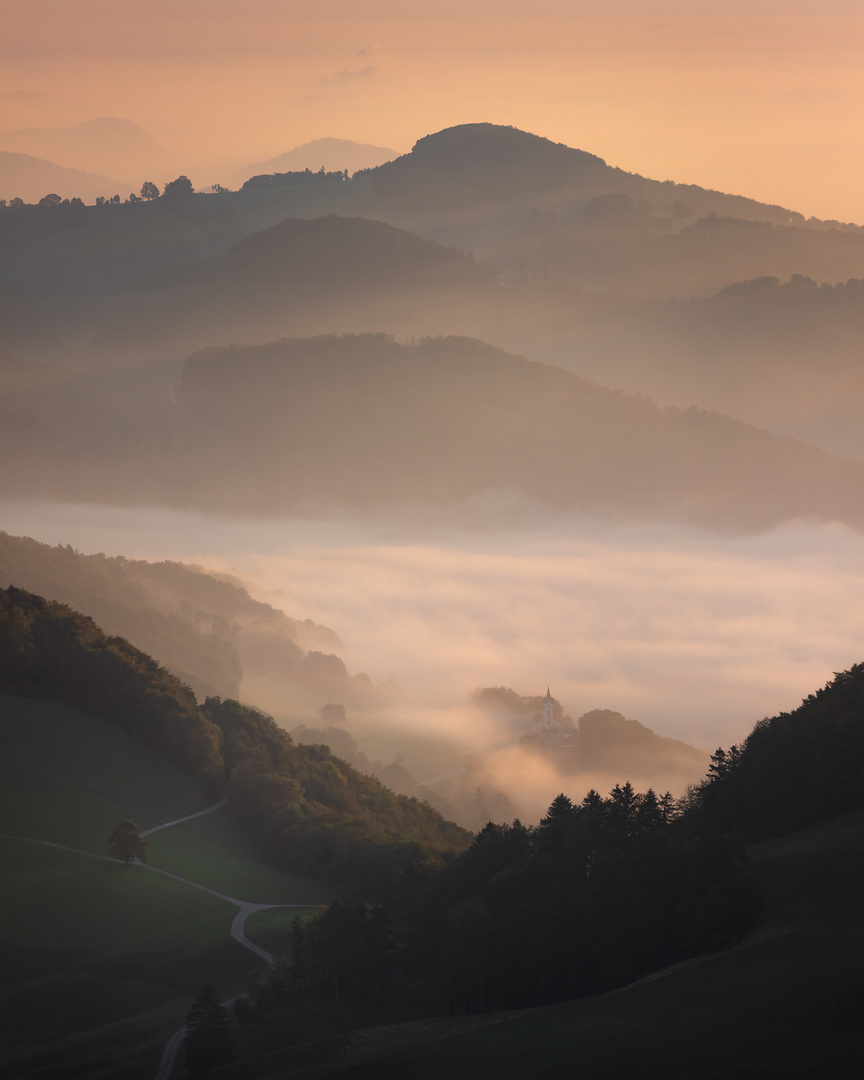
x: 271, y: 929
x: 99, y: 963
x: 788, y: 1004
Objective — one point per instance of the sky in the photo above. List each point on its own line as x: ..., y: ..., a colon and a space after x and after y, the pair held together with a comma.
x: 758, y: 97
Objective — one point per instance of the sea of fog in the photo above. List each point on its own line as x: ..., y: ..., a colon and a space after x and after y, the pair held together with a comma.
x: 695, y: 634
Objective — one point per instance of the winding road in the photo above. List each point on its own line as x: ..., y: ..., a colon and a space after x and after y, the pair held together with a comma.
x: 238, y: 924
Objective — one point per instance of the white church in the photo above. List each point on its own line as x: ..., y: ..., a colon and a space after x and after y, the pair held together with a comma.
x: 546, y: 724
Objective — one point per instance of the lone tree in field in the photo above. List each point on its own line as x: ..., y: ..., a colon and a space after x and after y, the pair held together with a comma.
x: 209, y: 1041
x: 125, y: 843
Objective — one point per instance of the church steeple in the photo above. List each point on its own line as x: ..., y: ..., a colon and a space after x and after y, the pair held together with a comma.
x: 547, y: 721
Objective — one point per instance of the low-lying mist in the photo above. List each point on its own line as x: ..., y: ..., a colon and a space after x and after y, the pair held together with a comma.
x: 694, y: 634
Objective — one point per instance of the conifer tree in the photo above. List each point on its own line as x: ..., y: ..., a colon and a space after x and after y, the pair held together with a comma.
x: 209, y: 1041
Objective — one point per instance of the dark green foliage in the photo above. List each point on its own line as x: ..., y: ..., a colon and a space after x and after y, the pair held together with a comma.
x: 315, y: 812
x: 318, y: 813
x: 48, y: 650
x: 794, y: 769
x: 125, y: 843
x: 287, y: 179
x: 209, y: 1040
x: 179, y: 190
x: 598, y: 894
x: 188, y: 619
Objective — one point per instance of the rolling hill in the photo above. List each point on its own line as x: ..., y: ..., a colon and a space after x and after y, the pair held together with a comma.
x: 110, y: 957
x: 443, y: 419
x: 30, y: 178
x: 207, y: 630
x: 107, y: 144
x: 329, y: 154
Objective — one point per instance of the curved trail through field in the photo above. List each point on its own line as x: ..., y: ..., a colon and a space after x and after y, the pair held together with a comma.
x: 238, y: 924
x: 189, y: 817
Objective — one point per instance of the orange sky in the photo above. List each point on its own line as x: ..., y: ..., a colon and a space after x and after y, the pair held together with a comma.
x: 761, y: 97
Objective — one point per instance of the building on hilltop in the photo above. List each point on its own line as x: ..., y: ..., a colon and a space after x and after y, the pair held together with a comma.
x: 546, y: 724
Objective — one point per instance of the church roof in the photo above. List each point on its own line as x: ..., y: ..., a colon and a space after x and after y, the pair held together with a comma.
x: 548, y: 695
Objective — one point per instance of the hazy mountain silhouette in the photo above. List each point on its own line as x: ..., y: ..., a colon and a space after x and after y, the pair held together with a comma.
x: 107, y: 145
x: 482, y: 163
x: 782, y: 355
x: 298, y: 277
x: 607, y: 741
x: 533, y: 206
x: 601, y: 271
x: 331, y: 154
x: 207, y: 629
x: 366, y: 421
x: 30, y: 178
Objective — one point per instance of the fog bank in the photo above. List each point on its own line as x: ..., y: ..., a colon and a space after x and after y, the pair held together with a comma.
x: 693, y: 634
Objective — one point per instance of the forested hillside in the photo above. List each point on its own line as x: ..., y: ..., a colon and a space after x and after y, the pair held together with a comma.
x: 793, y: 769
x: 315, y: 812
x: 603, y: 890
x: 206, y: 630
x: 364, y: 421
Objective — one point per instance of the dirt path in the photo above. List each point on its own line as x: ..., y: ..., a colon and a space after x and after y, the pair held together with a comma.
x: 238, y: 924
x: 189, y: 817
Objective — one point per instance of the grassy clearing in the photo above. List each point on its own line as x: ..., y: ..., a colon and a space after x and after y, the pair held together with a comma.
x: 99, y: 963
x: 70, y: 778
x: 216, y: 851
x: 272, y: 929
x: 790, y: 1006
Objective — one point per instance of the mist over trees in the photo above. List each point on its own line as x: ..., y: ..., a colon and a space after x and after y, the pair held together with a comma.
x: 314, y: 812
x: 207, y: 630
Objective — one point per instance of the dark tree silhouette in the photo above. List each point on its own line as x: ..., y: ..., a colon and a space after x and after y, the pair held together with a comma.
x: 209, y: 1041
x: 178, y: 189
x: 125, y: 843
x: 149, y: 190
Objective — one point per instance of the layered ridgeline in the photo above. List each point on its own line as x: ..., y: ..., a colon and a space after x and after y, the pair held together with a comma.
x: 205, y: 629
x: 332, y: 273
x: 504, y: 194
x: 660, y: 288
x: 365, y: 421
x: 327, y: 155
x: 316, y: 813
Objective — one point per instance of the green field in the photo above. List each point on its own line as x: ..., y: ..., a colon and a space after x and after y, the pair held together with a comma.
x: 216, y: 851
x: 272, y: 929
x: 790, y: 1005
x: 71, y: 779
x: 99, y: 963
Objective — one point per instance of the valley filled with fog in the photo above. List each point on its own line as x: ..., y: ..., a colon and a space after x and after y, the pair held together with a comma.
x: 695, y: 634
x: 431, y: 539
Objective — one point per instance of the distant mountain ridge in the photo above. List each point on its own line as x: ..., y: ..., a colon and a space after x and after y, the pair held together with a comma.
x: 442, y: 419
x: 30, y: 178
x: 107, y: 144
x: 327, y: 153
